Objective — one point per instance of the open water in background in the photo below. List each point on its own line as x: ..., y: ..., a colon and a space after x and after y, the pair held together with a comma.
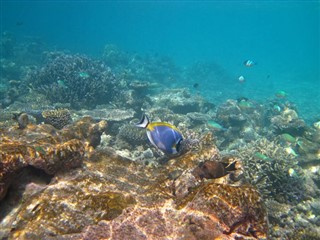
x: 281, y: 36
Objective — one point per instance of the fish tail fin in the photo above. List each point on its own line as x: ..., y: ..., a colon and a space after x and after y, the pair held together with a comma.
x: 143, y: 122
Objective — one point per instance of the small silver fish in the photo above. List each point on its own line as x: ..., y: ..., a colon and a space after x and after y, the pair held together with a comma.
x: 249, y: 63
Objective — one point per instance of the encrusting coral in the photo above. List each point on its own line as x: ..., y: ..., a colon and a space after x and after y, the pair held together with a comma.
x: 45, y: 148
x: 112, y: 197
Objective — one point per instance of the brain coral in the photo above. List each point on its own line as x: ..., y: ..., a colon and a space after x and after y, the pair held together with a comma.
x: 57, y: 118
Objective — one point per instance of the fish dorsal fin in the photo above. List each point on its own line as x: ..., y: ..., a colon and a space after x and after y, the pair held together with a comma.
x: 143, y: 122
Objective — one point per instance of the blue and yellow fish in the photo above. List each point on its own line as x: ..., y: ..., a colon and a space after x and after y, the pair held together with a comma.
x: 162, y: 135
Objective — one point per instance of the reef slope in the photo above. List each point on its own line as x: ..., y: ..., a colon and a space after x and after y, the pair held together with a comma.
x: 112, y: 197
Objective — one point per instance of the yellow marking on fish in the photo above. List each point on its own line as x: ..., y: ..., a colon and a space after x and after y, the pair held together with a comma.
x: 151, y: 126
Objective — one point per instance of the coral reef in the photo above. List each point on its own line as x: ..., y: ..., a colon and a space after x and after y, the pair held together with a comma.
x: 114, y: 57
x: 131, y: 134
x: 57, y: 118
x: 16, y: 58
x: 74, y: 79
x: 298, y: 222
x: 133, y: 68
x: 89, y: 173
x: 114, y: 198
x: 197, y: 117
x: 7, y: 45
x: 181, y: 101
x: 280, y: 156
x: 237, y: 114
x: 107, y: 113
x: 87, y: 130
x: 267, y: 165
x: 288, y: 122
x: 45, y: 148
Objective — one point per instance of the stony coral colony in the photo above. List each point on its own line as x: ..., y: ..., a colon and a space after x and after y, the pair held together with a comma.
x: 78, y: 112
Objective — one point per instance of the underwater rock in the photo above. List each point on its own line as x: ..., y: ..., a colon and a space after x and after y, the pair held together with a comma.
x: 227, y: 109
x: 288, y: 122
x: 230, y: 114
x: 114, y: 198
x: 7, y: 118
x: 146, y: 157
x: 87, y: 130
x: 306, y: 146
x: 310, y: 152
x: 203, y: 218
x: 248, y: 134
x: 302, y: 218
x: 166, y: 115
x: 138, y: 95
x: 198, y: 117
x: 237, y: 120
x: 47, y: 156
x: 45, y: 148
x: 108, y: 114
x: 240, y: 113
x: 181, y: 101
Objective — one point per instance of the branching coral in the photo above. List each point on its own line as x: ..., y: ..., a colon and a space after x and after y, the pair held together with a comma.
x: 274, y: 171
x: 74, y: 79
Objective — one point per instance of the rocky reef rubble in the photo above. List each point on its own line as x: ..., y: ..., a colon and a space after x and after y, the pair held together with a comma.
x: 181, y: 101
x: 109, y: 196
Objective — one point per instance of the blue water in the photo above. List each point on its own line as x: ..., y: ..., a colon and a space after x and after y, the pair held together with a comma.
x: 282, y: 37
